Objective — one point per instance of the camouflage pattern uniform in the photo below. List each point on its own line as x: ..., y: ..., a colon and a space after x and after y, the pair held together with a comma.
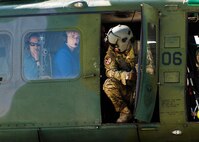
x: 117, y: 88
x: 197, y: 59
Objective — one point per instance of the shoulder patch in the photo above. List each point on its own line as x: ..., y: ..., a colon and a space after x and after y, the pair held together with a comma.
x: 108, y: 61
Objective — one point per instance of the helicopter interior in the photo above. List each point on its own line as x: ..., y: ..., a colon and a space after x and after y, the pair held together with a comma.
x: 192, y: 91
x: 133, y: 20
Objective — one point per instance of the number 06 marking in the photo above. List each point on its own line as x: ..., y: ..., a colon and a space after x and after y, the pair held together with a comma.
x: 169, y: 58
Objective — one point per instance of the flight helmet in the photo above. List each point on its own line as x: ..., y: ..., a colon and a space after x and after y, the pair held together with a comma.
x: 119, y: 37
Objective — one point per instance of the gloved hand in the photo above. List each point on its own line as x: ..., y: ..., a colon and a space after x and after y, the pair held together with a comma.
x: 130, y: 75
x: 123, y: 77
x: 127, y: 76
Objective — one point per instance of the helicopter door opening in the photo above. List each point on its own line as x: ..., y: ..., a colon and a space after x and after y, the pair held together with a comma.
x: 192, y: 91
x: 145, y: 63
x: 146, y: 91
x: 109, y: 20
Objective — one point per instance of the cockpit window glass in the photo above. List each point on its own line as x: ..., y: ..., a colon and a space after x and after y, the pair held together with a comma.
x: 5, y: 43
x: 51, y: 55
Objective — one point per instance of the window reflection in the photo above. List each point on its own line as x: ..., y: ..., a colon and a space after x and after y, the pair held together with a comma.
x: 151, y: 49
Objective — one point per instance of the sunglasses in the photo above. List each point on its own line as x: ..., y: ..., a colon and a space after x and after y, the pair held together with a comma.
x: 34, y: 44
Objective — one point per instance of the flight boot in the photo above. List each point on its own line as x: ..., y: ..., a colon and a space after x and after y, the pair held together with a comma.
x: 125, y: 116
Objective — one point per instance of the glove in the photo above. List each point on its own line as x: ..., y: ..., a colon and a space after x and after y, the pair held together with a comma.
x: 131, y: 75
x: 127, y: 76
x: 123, y: 77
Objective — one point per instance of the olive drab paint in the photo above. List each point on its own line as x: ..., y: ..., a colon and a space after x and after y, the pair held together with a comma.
x: 75, y: 108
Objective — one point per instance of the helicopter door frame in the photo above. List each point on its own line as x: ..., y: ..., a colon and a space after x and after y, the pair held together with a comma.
x: 146, y: 89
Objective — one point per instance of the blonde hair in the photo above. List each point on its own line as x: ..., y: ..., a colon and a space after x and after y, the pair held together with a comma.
x: 72, y: 33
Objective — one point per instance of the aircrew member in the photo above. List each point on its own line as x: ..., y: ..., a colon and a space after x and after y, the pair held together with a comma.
x: 119, y: 63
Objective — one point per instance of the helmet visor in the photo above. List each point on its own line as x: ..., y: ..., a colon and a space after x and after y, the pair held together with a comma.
x: 112, y: 38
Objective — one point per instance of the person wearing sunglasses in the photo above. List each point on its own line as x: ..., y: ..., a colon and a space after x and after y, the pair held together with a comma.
x: 66, y: 60
x: 120, y: 69
x: 31, y: 57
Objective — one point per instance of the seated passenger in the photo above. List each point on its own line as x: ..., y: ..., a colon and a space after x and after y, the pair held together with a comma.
x: 31, y: 58
x: 67, y: 61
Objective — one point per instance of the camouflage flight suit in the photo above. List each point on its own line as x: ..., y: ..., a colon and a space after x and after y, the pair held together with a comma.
x: 116, y: 87
x: 197, y: 59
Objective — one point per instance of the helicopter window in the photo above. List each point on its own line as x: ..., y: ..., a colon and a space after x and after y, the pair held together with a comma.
x: 5, y: 42
x: 51, y: 55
